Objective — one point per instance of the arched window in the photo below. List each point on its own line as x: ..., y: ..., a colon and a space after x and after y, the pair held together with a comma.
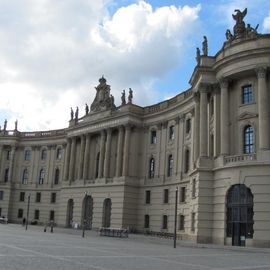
x: 25, y: 177
x: 97, y: 165
x: 186, y: 169
x: 152, y: 168
x: 43, y: 154
x: 171, y: 132
x: 170, y: 165
x: 41, y: 177
x: 59, y: 153
x: 248, y: 139
x: 56, y: 176
x: 153, y: 137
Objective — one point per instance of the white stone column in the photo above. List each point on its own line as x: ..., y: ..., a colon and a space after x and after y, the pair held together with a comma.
x: 263, y: 108
x: 197, y: 127
x: 101, y: 154
x: 72, y: 159
x: 216, y: 121
x: 224, y: 118
x: 203, y: 121
x: 82, y: 150
x: 119, y: 151
x: 86, y: 157
x: 67, y: 158
x: 108, y: 153
x: 126, y: 150
x: 11, y: 164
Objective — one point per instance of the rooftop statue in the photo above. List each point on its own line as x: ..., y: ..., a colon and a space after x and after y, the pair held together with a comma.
x: 205, y: 46
x: 123, y: 98
x: 130, y: 96
x: 103, y: 100
x: 198, y: 55
x: 240, y: 28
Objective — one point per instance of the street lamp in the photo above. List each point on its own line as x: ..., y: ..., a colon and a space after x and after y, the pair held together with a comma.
x: 175, y: 217
x: 84, y: 214
x: 27, y: 214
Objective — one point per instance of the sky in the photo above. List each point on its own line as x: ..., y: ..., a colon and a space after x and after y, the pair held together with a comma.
x: 53, y: 52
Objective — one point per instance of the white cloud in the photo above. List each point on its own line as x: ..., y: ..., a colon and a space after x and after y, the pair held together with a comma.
x: 52, y: 54
x: 266, y: 23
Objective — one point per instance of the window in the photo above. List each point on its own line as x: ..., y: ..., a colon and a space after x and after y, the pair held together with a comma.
x: 171, y: 132
x: 1, y: 195
x: 147, y: 196
x: 59, y: 154
x: 56, y: 176
x: 188, y: 125
x: 183, y: 194
x: 38, y: 197
x: 166, y: 195
x: 43, y: 154
x: 186, y: 169
x: 53, y: 197
x: 97, y: 164
x: 193, y: 193
x: 6, y: 175
x: 41, y: 177
x: 181, y: 223
x: 248, y: 140
x: 165, y: 222
x: 22, y: 196
x: 8, y: 154
x: 0, y: 211
x: 25, y: 177
x: 247, y: 94
x: 193, y: 222
x: 51, y: 215
x: 36, y: 214
x: 27, y: 155
x: 152, y: 168
x: 170, y: 166
x: 20, y: 213
x: 146, y: 221
x: 153, y: 137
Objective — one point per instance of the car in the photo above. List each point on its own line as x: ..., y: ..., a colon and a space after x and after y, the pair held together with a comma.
x: 3, y: 220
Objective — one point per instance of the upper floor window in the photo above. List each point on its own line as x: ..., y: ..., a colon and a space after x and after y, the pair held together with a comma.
x: 25, y: 177
x: 170, y: 165
x: 8, y: 154
x: 171, y: 132
x: 188, y: 125
x: 22, y: 196
x: 53, y: 197
x: 56, y: 176
x: 27, y: 155
x: 248, y: 140
x: 43, y: 154
x: 41, y: 176
x: 247, y: 94
x: 6, y: 175
x: 183, y: 194
x: 147, y: 196
x: 59, y: 153
x: 1, y: 195
x: 152, y: 168
x: 153, y: 137
x: 166, y: 195
x: 186, y: 169
x: 38, y: 197
x: 97, y: 165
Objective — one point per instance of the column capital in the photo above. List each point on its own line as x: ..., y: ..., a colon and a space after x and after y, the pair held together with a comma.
x: 128, y: 127
x: 196, y: 97
x: 224, y: 83
x: 261, y: 72
x: 109, y: 131
x: 204, y: 87
x: 216, y: 88
x: 121, y: 128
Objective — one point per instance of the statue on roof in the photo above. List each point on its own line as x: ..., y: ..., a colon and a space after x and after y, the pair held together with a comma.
x: 123, y: 98
x: 16, y: 125
x: 86, y: 108
x: 205, y: 46
x: 103, y: 100
x: 71, y: 114
x: 130, y: 96
x: 198, y: 55
x: 5, y: 125
x: 77, y: 113
x: 240, y: 28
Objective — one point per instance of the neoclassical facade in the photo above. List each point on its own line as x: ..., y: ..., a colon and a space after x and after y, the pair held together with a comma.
x: 122, y: 166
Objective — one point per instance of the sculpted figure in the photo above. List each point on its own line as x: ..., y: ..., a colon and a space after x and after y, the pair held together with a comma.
x: 198, y: 55
x: 240, y: 28
x: 77, y: 113
x: 130, y: 95
x: 86, y: 108
x: 5, y: 125
x: 239, y: 16
x: 123, y: 97
x: 71, y: 113
x: 229, y: 35
x: 16, y: 125
x: 205, y: 46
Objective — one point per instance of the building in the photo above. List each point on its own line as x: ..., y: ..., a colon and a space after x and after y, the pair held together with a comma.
x: 120, y: 166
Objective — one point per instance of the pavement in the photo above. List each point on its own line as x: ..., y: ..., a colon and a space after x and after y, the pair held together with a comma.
x: 66, y: 249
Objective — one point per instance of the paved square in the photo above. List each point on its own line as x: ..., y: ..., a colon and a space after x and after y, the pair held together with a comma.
x: 66, y: 249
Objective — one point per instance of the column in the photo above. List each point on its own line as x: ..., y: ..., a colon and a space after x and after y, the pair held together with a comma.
x: 72, y: 159
x: 11, y: 164
x: 1, y: 158
x: 216, y: 121
x: 119, y: 151
x: 126, y: 150
x: 263, y: 109
x: 224, y: 118
x: 82, y: 150
x: 67, y: 158
x: 86, y: 157
x: 197, y: 126
x: 101, y: 154
x: 108, y: 153
x: 203, y: 121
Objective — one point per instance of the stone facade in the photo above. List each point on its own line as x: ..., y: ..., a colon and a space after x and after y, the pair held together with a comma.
x: 120, y: 166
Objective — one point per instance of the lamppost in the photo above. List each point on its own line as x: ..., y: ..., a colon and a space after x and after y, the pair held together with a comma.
x: 175, y: 217
x: 84, y: 214
x: 27, y: 214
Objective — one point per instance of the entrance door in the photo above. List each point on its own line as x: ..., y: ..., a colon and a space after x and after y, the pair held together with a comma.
x: 239, y: 214
x: 87, y: 212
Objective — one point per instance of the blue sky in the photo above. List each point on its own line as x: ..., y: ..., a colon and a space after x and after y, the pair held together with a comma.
x: 53, y: 53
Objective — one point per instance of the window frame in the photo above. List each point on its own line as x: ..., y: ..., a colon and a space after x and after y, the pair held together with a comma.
x: 247, y: 94
x: 248, y: 139
x: 171, y: 132
x: 153, y: 137
x: 147, y: 196
x: 27, y: 155
x: 170, y: 166
x: 151, y: 167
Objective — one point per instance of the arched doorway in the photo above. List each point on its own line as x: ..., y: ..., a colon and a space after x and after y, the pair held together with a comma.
x: 239, y: 214
x: 107, y: 207
x: 69, y: 219
x: 87, y: 212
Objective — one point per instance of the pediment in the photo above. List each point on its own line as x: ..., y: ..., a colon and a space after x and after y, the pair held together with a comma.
x: 247, y: 115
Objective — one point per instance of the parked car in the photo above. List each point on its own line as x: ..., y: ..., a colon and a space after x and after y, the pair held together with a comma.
x: 3, y: 220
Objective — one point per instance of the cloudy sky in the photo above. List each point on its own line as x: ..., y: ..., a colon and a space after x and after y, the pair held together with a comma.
x: 52, y: 52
